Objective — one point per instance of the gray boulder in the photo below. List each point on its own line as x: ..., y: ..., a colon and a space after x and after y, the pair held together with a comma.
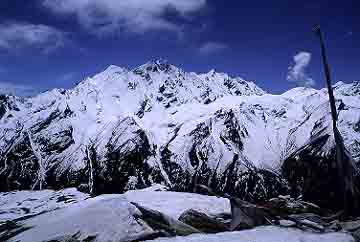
x: 350, y: 225
x: 203, y: 222
x: 163, y: 223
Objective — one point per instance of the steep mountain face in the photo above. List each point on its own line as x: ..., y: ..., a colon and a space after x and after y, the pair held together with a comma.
x: 312, y: 170
x: 122, y: 129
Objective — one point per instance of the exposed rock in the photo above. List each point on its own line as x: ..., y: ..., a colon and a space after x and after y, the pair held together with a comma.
x: 246, y: 215
x: 258, y: 185
x: 9, y: 229
x: 287, y: 223
x: 161, y: 222
x: 308, y: 216
x: 356, y: 235
x: 311, y: 224
x: 313, y: 173
x: 351, y: 225
x: 283, y: 205
x: 83, y: 188
x: 21, y: 169
x: 334, y: 225
x: 203, y: 222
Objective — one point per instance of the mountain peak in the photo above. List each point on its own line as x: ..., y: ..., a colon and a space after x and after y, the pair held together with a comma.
x: 114, y: 68
x: 159, y: 61
x: 156, y: 65
x: 348, y: 89
x: 212, y: 72
x: 339, y: 83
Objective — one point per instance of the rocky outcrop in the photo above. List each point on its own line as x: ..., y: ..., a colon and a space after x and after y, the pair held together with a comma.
x: 167, y: 225
x: 204, y: 222
x: 288, y: 205
x: 314, y: 175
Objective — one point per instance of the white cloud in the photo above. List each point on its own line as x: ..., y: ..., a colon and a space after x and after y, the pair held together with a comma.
x: 15, y: 36
x: 17, y: 89
x: 297, y: 72
x: 212, y: 47
x: 131, y: 15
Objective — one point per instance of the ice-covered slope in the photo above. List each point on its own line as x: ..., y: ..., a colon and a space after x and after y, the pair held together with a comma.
x: 125, y: 129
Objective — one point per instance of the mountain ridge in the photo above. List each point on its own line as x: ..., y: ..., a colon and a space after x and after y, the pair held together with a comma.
x: 124, y: 129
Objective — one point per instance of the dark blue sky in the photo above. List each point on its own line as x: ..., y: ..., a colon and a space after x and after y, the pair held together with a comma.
x: 56, y: 43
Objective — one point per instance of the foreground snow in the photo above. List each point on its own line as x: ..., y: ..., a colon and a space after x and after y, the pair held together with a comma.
x: 107, y: 217
x: 69, y: 213
x: 263, y: 234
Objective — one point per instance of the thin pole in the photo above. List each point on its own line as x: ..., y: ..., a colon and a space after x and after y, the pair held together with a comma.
x: 344, y: 161
x: 317, y: 30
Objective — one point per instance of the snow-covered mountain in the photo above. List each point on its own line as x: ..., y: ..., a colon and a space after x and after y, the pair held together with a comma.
x: 125, y: 129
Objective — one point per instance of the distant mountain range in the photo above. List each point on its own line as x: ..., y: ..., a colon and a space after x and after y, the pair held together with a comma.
x: 127, y: 129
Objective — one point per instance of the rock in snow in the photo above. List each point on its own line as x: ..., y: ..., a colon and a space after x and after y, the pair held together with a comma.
x: 123, y: 130
x: 203, y: 222
x: 287, y: 223
x: 174, y: 204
